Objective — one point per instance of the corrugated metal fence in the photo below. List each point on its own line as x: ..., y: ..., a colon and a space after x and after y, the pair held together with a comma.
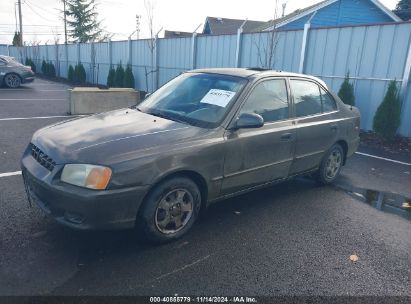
x: 373, y: 55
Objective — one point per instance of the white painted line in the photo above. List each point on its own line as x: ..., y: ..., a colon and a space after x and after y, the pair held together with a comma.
x: 44, y: 84
x: 182, y: 268
x: 383, y: 158
x: 10, y: 174
x: 32, y: 90
x: 24, y: 99
x: 40, y: 117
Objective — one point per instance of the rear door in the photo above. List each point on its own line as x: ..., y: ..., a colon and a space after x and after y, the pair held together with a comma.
x: 257, y: 156
x: 315, y: 122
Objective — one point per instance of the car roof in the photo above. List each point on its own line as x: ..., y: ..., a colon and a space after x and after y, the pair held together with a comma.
x: 255, y: 72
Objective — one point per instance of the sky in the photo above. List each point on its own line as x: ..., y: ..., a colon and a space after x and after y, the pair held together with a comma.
x: 42, y: 20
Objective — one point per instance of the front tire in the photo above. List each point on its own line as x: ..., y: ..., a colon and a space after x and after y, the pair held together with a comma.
x: 331, y: 165
x: 12, y: 80
x: 170, y: 210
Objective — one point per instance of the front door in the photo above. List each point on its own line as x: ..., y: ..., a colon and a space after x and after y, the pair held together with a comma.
x: 257, y: 156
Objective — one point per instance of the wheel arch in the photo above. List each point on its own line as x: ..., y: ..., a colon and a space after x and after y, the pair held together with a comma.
x: 343, y: 145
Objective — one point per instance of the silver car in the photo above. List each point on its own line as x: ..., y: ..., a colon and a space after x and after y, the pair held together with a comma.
x: 13, y: 73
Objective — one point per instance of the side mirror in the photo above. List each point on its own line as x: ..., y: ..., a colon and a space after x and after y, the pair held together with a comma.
x: 249, y: 121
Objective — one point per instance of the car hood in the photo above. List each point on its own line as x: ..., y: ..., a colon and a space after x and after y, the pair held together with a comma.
x: 109, y: 137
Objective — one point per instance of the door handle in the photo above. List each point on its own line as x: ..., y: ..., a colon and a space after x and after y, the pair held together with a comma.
x: 334, y: 127
x: 286, y: 136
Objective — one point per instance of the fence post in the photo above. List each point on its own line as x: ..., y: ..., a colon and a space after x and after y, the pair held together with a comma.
x: 304, y: 47
x: 157, y: 69
x: 406, y: 75
x: 47, y: 52
x: 66, y: 55
x: 93, y: 62
x: 78, y: 53
x: 130, y: 51
x: 304, y: 44
x: 238, y: 48
x: 194, y: 50
x: 57, y: 60
x: 110, y: 53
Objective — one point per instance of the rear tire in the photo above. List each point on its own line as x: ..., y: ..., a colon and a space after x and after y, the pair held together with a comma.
x: 331, y: 165
x: 170, y: 210
x: 12, y: 80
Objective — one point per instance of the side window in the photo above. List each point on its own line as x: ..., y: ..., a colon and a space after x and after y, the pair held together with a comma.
x: 328, y: 102
x: 268, y: 99
x: 307, y: 97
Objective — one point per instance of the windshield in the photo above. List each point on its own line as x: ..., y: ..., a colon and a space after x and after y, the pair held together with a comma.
x: 198, y: 99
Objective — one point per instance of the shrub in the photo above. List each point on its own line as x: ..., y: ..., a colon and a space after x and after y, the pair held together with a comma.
x: 128, y: 81
x: 81, y: 73
x: 44, y: 67
x: 346, y: 92
x: 32, y: 65
x: 70, y: 75
x: 111, y: 77
x: 51, y: 70
x: 119, y: 77
x: 387, y: 119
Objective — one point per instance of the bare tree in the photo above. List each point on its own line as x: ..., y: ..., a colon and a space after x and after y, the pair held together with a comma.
x: 266, y: 49
x: 150, y: 7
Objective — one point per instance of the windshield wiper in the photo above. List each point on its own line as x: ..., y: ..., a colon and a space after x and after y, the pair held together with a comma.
x: 168, y: 116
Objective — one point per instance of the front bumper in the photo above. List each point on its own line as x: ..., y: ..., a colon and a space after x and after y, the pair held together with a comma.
x: 78, y: 207
x: 28, y: 79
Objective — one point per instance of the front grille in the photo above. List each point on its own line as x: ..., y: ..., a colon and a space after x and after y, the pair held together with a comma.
x: 42, y: 158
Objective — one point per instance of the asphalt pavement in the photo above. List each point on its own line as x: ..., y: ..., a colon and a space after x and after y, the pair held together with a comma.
x: 294, y: 238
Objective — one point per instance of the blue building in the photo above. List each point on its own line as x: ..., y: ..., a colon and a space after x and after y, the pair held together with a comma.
x: 335, y: 13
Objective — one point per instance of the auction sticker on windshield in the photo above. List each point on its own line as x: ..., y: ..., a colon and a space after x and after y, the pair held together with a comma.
x: 217, y: 97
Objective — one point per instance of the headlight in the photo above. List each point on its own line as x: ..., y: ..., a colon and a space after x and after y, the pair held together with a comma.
x: 88, y: 176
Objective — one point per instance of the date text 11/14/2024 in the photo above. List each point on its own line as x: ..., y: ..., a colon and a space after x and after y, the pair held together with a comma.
x: 202, y: 299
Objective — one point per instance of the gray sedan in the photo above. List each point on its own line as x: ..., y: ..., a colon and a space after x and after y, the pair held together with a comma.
x: 13, y: 73
x: 205, y: 136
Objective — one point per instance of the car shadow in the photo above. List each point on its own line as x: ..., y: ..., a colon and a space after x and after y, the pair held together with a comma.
x: 93, y: 245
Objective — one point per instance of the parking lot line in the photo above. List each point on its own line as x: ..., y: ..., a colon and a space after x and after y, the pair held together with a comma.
x: 40, y: 117
x: 383, y: 158
x: 39, y: 99
x: 10, y: 174
x: 31, y: 90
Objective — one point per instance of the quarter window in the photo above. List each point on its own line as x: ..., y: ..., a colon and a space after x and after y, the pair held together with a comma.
x: 328, y: 102
x: 307, y: 97
x: 268, y: 99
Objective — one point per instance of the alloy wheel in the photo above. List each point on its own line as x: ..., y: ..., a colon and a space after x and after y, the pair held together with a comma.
x: 12, y: 81
x: 174, y: 211
x: 333, y: 164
